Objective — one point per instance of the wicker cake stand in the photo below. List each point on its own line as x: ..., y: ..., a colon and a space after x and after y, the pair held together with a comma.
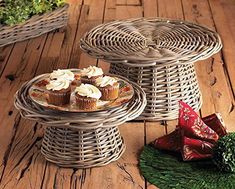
x: 157, y: 54
x: 80, y: 140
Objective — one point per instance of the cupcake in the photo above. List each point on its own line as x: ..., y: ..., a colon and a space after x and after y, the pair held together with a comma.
x: 62, y: 74
x: 90, y: 74
x: 59, y: 92
x: 87, y: 96
x: 109, y: 87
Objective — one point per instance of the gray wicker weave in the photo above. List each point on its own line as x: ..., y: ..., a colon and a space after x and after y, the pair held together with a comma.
x: 80, y: 140
x: 35, y: 26
x: 158, y: 54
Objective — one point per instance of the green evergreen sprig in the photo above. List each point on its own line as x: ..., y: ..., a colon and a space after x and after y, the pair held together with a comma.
x: 17, y: 11
x: 224, y: 153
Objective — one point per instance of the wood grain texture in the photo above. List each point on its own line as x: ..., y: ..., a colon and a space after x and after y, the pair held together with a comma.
x: 21, y: 163
x: 150, y: 8
x: 212, y: 74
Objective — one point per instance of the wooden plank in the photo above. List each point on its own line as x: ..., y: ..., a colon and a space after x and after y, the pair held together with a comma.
x: 125, y: 12
x: 119, y: 12
x: 221, y: 24
x: 56, y: 177
x: 5, y: 53
x: 150, y: 8
x: 228, y: 9
x: 109, y: 15
x: 54, y: 39
x: 133, y: 134
x: 110, y: 10
x: 125, y: 172
x: 25, y: 160
x: 170, y: 9
x: 227, y: 58
x: 211, y: 73
x: 71, y: 32
x: 96, y: 10
x: 128, y: 2
x: 21, y: 66
x: 91, y: 15
x: 116, y: 175
x: 59, y: 46
x: 194, y: 13
x: 154, y: 130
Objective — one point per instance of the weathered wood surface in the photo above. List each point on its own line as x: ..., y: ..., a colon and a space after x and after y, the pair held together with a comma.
x: 22, y: 165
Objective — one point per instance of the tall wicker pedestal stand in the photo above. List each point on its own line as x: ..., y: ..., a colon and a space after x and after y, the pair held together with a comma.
x: 80, y: 140
x: 157, y: 54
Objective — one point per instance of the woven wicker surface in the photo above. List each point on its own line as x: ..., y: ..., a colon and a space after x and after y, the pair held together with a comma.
x: 81, y: 140
x: 157, y: 54
x: 82, y: 149
x: 164, y: 87
x: 151, y: 41
x: 35, y: 26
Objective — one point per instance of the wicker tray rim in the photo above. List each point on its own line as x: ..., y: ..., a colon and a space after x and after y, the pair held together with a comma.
x: 109, y: 56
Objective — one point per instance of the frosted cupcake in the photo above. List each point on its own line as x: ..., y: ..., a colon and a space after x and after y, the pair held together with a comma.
x: 90, y: 74
x: 87, y: 96
x: 109, y: 87
x: 62, y: 74
x: 59, y: 92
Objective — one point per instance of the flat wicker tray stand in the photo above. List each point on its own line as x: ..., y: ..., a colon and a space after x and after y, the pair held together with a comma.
x: 157, y: 54
x: 81, y: 140
x: 35, y: 26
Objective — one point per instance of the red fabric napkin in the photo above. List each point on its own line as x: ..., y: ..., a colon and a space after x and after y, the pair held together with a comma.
x: 194, y: 149
x: 215, y: 122
x: 194, y: 137
x: 171, y: 142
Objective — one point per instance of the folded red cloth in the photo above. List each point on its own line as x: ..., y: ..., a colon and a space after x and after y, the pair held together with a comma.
x: 215, y: 122
x: 194, y: 149
x: 193, y: 137
x: 170, y: 142
x: 193, y: 126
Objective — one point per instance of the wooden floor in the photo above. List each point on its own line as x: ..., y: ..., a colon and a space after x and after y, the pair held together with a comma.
x: 21, y: 164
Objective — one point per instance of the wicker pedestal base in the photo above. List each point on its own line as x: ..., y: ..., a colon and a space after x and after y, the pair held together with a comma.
x: 158, y: 54
x: 82, y: 148
x: 80, y: 139
x: 165, y: 86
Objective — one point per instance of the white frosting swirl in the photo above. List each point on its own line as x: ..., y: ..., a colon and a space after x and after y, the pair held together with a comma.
x: 92, y: 71
x: 88, y: 90
x: 56, y: 85
x: 62, y: 74
x: 106, y: 80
